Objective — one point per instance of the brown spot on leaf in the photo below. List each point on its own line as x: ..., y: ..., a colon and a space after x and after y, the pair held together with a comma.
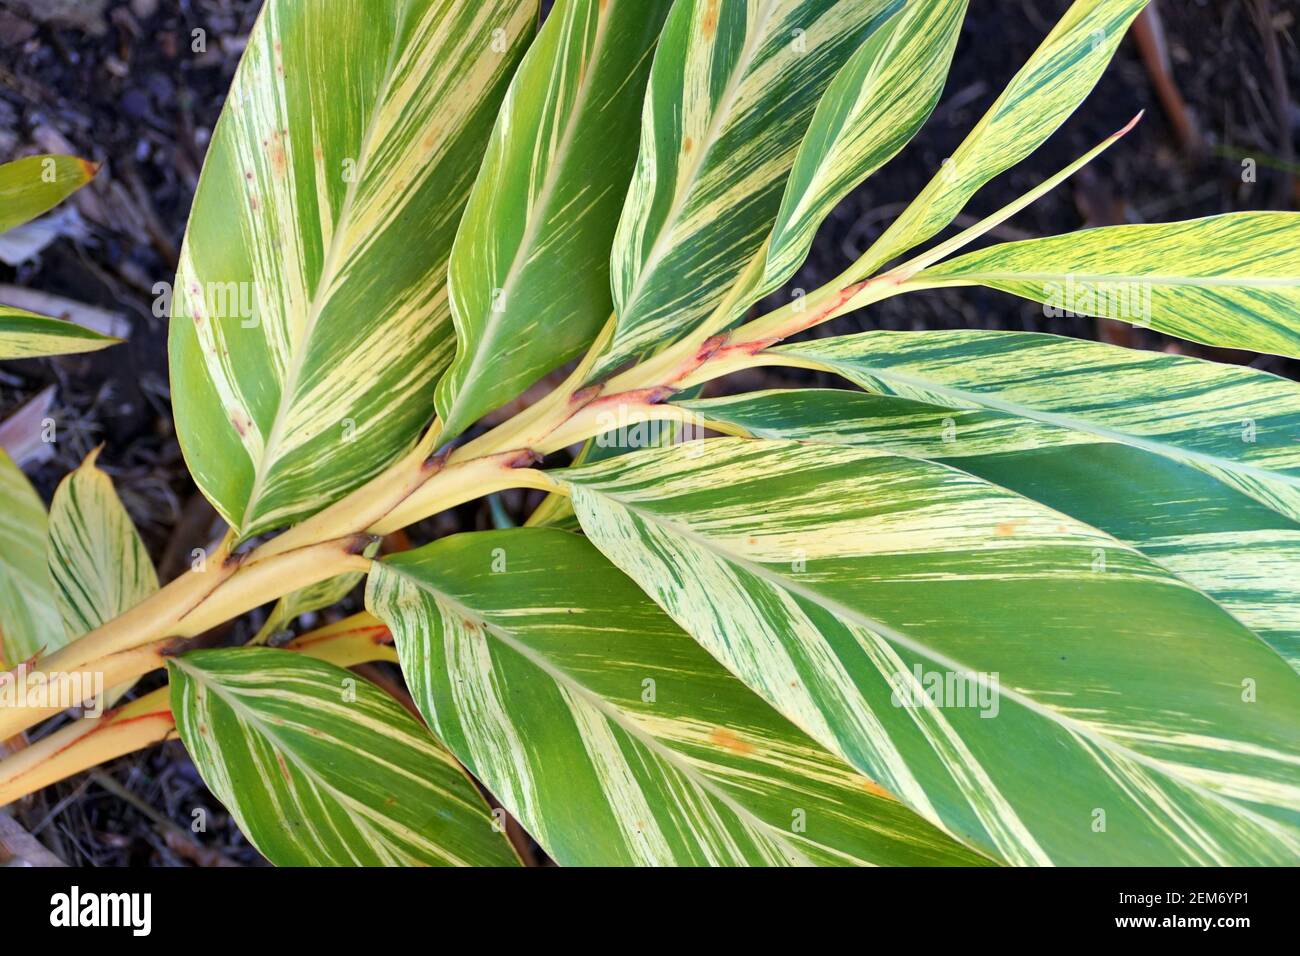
x: 688, y: 144
x: 1008, y: 528
x: 875, y: 789
x: 709, y: 26
x: 728, y: 741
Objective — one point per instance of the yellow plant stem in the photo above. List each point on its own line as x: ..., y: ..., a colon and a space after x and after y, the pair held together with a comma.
x: 221, y: 589
x: 91, y: 741
x: 87, y: 743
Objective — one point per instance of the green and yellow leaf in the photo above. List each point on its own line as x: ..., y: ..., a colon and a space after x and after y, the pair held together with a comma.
x: 1057, y: 78
x: 98, y: 563
x: 1235, y: 424
x: 873, y: 107
x: 321, y: 768
x: 732, y: 91
x: 28, y: 335
x: 1242, y: 554
x: 529, y: 273
x: 1231, y: 281
x: 611, y: 735
x: 1042, y: 690
x: 29, y: 617
x: 310, y: 320
x: 36, y: 184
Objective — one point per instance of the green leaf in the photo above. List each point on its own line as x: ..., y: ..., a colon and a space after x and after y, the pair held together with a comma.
x: 29, y: 618
x: 529, y: 274
x: 1242, y: 554
x: 1232, y: 280
x: 874, y: 106
x: 1087, y: 706
x: 1233, y: 423
x: 732, y: 91
x: 321, y: 768
x: 1060, y: 74
x: 98, y: 563
x: 28, y: 335
x: 31, y: 186
x: 310, y: 320
x: 610, y: 734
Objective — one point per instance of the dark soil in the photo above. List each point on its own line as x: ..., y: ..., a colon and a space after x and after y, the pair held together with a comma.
x: 129, y: 86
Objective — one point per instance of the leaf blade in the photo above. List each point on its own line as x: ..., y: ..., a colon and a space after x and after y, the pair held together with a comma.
x: 29, y: 617
x: 536, y: 676
x: 529, y: 272
x: 877, y: 102
x: 313, y: 781
x: 1048, y: 88
x: 706, y: 188
x: 35, y: 184
x: 26, y: 334
x: 1231, y: 280
x: 304, y: 357
x: 911, y: 569
x: 1219, y: 540
x: 97, y: 561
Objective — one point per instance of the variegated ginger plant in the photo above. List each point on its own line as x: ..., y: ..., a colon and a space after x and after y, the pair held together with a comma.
x: 718, y: 651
